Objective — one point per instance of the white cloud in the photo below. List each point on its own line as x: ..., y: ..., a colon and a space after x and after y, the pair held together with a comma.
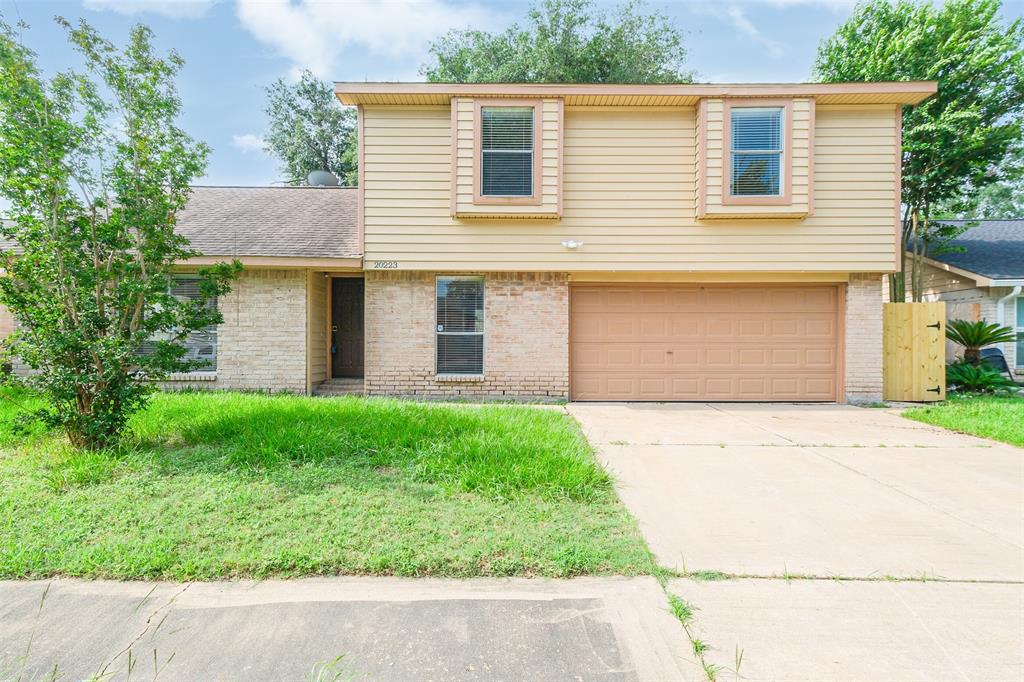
x: 314, y: 34
x: 248, y: 142
x: 834, y: 5
x: 738, y: 18
x: 176, y: 9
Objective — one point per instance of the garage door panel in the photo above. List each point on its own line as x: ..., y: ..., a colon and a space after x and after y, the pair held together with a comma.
x: 710, y: 342
x: 693, y: 386
x: 629, y: 357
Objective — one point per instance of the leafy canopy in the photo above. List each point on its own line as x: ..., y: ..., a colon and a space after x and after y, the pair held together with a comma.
x: 95, y: 167
x: 310, y: 130
x: 1002, y: 200
x: 956, y: 143
x: 565, y: 41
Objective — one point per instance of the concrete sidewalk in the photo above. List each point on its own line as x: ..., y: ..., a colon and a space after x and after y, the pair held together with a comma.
x: 382, y: 628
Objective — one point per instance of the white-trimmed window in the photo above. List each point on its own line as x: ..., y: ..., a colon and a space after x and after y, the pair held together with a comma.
x: 1019, y: 361
x: 507, y: 151
x: 200, y: 345
x: 460, y: 325
x: 756, y: 138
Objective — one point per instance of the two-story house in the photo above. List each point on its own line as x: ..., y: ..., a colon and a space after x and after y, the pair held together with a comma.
x: 582, y: 242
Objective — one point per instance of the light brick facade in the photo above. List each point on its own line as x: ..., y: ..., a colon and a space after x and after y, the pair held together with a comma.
x: 526, y: 338
x: 863, y: 341
x: 261, y: 345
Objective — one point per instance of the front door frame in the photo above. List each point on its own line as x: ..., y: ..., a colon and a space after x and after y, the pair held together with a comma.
x: 329, y: 335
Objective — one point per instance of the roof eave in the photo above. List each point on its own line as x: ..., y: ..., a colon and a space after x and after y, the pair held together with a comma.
x: 980, y: 279
x: 342, y: 263
x: 912, y: 92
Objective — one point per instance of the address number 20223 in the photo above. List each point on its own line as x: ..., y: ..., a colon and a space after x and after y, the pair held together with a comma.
x: 385, y: 265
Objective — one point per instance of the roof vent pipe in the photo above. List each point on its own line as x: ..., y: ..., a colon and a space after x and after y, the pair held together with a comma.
x: 322, y: 178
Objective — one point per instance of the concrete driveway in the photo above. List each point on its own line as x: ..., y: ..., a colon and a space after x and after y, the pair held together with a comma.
x: 924, y: 526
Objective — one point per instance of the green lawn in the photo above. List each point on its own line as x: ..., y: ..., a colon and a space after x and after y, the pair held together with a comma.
x: 999, y: 418
x: 216, y: 485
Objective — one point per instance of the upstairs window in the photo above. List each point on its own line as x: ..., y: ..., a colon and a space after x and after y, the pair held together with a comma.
x: 460, y: 325
x: 756, y: 148
x: 506, y: 151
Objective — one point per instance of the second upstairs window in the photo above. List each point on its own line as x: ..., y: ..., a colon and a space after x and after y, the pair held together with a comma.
x: 756, y: 149
x: 506, y: 151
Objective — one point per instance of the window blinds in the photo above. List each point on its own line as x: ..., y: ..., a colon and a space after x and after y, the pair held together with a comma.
x: 506, y: 146
x: 200, y: 345
x: 460, y: 325
x: 756, y: 146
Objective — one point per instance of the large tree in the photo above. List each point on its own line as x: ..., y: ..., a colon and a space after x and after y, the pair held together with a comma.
x: 565, y: 41
x: 1003, y: 199
x: 310, y: 130
x: 95, y: 167
x: 956, y: 143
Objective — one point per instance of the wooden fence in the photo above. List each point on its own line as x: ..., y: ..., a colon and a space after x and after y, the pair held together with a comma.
x: 914, y: 347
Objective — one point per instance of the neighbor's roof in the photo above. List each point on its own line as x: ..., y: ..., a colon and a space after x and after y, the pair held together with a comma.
x: 993, y: 249
x: 605, y: 94
x: 283, y: 222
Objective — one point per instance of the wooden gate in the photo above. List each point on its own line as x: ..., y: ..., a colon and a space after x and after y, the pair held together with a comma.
x: 914, y: 349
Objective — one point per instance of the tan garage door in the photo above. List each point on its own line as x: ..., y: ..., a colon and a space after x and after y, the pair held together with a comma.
x: 704, y: 342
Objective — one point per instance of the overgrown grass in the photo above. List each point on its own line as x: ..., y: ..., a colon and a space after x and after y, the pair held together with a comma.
x: 997, y: 417
x: 213, y: 485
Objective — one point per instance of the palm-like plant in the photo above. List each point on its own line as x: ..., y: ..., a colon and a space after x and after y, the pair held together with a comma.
x: 974, y: 336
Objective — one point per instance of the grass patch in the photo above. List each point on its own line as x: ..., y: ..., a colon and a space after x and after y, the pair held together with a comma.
x: 221, y: 485
x: 998, y: 417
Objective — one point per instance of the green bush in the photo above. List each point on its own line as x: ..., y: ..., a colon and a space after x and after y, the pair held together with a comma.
x: 964, y: 377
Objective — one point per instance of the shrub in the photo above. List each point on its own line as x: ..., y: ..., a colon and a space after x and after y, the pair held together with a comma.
x: 964, y: 377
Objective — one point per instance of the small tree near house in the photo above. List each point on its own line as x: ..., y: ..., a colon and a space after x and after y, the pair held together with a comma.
x: 94, y: 168
x: 958, y: 142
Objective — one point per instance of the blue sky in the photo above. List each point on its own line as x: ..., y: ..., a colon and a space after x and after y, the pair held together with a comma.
x: 233, y: 48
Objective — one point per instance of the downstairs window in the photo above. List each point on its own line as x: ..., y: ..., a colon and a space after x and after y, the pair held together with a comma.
x: 460, y: 325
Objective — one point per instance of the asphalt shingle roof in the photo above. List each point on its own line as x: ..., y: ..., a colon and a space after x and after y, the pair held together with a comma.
x: 289, y: 222
x: 995, y: 248
x: 317, y: 222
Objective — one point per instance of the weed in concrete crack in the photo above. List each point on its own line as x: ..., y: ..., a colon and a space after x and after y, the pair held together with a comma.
x: 680, y: 608
x: 709, y: 576
x: 711, y: 670
x: 738, y: 658
x: 699, y: 647
x: 330, y: 671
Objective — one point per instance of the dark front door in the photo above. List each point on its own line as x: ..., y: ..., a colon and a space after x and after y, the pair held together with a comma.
x: 346, y: 327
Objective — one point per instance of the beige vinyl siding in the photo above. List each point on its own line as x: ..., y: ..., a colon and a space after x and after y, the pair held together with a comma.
x: 630, y: 197
x: 936, y: 281
x: 316, y: 292
x: 467, y: 164
x: 797, y: 164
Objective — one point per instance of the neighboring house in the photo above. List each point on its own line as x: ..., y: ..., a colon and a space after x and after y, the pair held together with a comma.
x: 982, y: 279
x: 584, y: 242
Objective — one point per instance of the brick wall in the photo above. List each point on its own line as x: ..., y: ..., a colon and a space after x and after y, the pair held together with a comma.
x: 864, y: 298
x: 526, y: 337
x: 262, y: 343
